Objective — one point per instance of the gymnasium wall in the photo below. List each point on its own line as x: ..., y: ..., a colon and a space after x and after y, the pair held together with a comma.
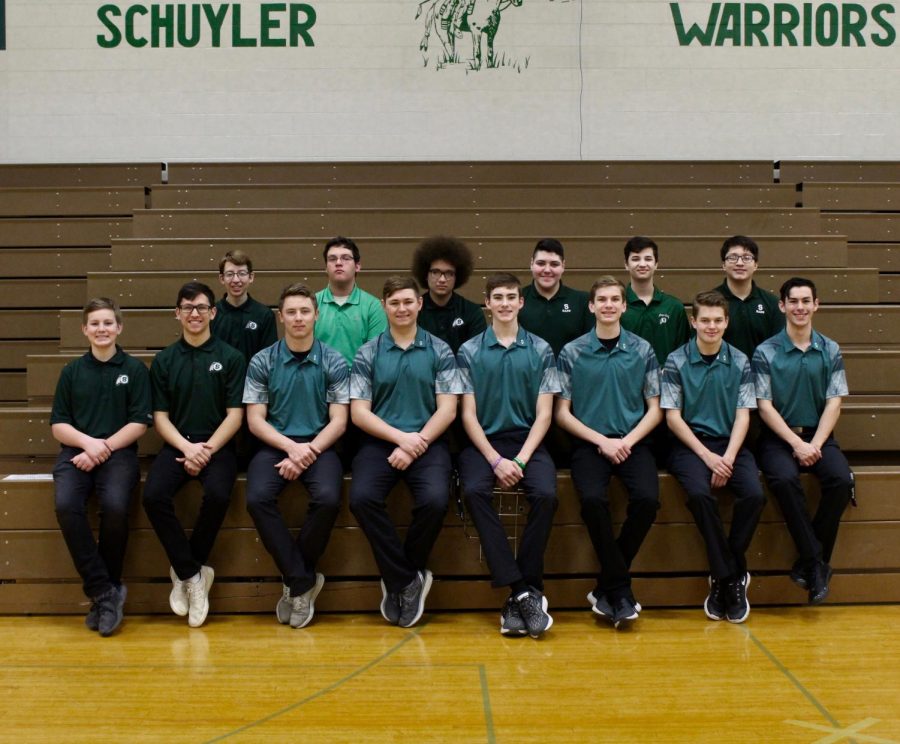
x: 86, y: 80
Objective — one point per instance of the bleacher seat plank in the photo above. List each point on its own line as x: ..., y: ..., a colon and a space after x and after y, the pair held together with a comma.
x: 42, y: 293
x: 62, y: 231
x: 350, y: 196
x: 874, y: 325
x: 884, y: 256
x: 596, y: 252
x: 14, y: 353
x: 863, y: 227
x: 80, y: 174
x: 889, y: 288
x: 53, y: 262
x: 13, y: 387
x: 248, y: 223
x: 846, y: 197
x: 795, y: 171
x: 535, y: 171
x: 71, y: 201
x: 143, y: 328
x: 29, y: 324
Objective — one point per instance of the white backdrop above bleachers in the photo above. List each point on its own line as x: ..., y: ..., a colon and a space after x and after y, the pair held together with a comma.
x: 592, y: 79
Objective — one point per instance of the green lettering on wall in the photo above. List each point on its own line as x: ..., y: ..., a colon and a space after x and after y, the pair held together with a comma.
x: 730, y: 25
x: 267, y: 24
x: 130, y: 37
x: 236, y: 39
x: 184, y: 39
x: 890, y: 33
x: 162, y: 17
x: 302, y: 19
x: 216, y: 20
x: 106, y: 13
x: 756, y: 21
x: 784, y: 27
x: 827, y: 24
x: 853, y: 21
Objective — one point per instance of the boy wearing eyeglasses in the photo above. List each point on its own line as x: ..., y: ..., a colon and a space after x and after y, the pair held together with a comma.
x: 753, y: 312
x: 197, y: 385
x: 241, y: 321
x: 444, y: 265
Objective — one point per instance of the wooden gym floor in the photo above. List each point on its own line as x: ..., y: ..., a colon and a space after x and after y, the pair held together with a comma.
x: 826, y: 674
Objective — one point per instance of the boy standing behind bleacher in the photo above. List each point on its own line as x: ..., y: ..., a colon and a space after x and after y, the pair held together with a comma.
x: 241, y: 321
x: 100, y: 409
x: 197, y: 384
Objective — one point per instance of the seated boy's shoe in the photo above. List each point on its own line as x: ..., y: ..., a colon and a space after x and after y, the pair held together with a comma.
x: 737, y: 607
x: 390, y: 605
x: 533, y: 607
x: 714, y: 605
x: 111, y: 614
x: 511, y: 622
x: 92, y: 619
x: 819, y: 581
x: 600, y: 604
x: 283, y: 607
x: 178, y: 600
x: 304, y: 607
x: 197, y: 590
x: 412, y: 599
x: 625, y: 613
x: 799, y: 575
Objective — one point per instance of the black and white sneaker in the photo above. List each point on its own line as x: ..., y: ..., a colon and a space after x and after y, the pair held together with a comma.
x: 390, y: 605
x: 533, y: 606
x: 511, y: 622
x: 714, y: 605
x: 601, y: 605
x: 737, y: 607
x: 412, y: 599
x: 625, y: 613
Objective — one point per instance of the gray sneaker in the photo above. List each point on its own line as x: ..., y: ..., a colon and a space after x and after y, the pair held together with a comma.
x: 111, y: 612
x: 626, y: 612
x: 533, y: 606
x: 412, y: 599
x: 92, y: 619
x: 390, y: 605
x: 303, y: 607
x: 600, y: 604
x: 511, y: 622
x: 198, y: 596
x: 283, y: 607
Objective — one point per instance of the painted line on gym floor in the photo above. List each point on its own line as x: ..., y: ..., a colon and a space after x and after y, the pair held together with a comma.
x: 325, y: 690
x: 486, y: 701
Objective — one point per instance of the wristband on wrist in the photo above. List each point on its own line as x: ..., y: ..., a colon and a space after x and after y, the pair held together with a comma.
x: 518, y: 462
x: 495, y: 463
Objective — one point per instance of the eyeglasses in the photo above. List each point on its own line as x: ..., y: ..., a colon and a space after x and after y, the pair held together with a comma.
x: 229, y: 275
x: 340, y: 259
x: 735, y: 258
x: 189, y: 309
x: 437, y: 274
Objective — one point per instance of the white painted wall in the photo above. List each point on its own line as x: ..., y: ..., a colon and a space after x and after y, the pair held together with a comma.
x: 593, y: 79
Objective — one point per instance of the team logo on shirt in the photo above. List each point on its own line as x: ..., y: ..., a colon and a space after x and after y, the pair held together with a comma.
x: 251, y: 325
x: 663, y: 318
x: 458, y: 322
x: 215, y: 367
x: 566, y: 308
x: 122, y: 380
x: 760, y: 310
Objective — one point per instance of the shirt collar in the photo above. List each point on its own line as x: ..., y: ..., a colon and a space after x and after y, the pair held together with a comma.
x: 430, y: 304
x: 624, y: 344
x: 490, y: 338
x: 729, y: 295
x: 206, y: 347
x: 227, y: 307
x: 631, y: 297
x: 286, y: 356
x: 561, y: 294
x: 816, y: 341
x: 420, y: 342
x: 352, y: 298
x: 117, y: 359
x: 694, y: 356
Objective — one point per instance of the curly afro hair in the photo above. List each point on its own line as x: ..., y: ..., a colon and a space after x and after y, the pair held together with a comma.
x: 442, y: 248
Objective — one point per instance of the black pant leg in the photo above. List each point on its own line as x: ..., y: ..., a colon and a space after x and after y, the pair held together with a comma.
x: 749, y: 501
x: 833, y: 473
x: 324, y: 480
x: 164, y: 479
x: 428, y: 479
x: 539, y: 485
x: 641, y: 480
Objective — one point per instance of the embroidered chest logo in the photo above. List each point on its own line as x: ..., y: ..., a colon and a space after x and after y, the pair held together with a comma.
x: 251, y: 325
x: 215, y: 367
x: 566, y: 308
x: 760, y: 310
x: 663, y: 318
x: 458, y: 323
x: 121, y: 380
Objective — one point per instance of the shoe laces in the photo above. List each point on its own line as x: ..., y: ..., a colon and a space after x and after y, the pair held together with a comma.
x: 195, y: 590
x: 300, y: 604
x: 530, y: 605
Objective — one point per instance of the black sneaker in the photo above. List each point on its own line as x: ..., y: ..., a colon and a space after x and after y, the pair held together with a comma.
x: 738, y: 608
x: 600, y: 605
x: 714, y: 606
x: 390, y: 605
x: 818, y: 587
x: 511, y: 622
x: 799, y: 576
x: 533, y: 606
x: 111, y: 613
x: 412, y: 599
x: 626, y: 612
x: 92, y: 619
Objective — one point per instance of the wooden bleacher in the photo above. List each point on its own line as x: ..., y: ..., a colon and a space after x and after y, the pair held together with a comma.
x: 71, y: 232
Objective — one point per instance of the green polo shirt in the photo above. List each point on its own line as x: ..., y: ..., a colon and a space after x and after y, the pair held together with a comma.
x: 507, y: 380
x: 562, y: 318
x: 403, y: 383
x: 348, y: 326
x: 799, y: 382
x: 454, y: 323
x: 708, y: 395
x: 249, y: 328
x: 751, y: 321
x: 609, y: 389
x: 195, y: 385
x: 297, y: 393
x: 663, y: 322
x: 99, y: 398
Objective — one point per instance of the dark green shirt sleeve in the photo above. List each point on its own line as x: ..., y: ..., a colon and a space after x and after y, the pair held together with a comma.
x: 61, y: 412
x: 140, y: 408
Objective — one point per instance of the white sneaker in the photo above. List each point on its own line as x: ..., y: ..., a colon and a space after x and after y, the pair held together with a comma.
x: 304, y: 607
x: 198, y: 596
x: 178, y: 600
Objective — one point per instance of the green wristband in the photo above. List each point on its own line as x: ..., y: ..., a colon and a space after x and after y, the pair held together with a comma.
x: 518, y: 462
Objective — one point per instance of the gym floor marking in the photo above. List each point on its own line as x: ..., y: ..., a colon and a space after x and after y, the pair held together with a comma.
x: 836, y: 734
